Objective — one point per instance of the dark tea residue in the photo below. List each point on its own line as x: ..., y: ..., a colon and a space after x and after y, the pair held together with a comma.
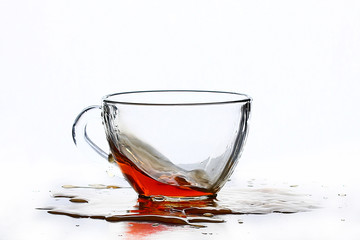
x: 116, y: 204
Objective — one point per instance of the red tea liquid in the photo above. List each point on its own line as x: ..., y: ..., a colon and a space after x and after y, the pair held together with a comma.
x: 147, y: 186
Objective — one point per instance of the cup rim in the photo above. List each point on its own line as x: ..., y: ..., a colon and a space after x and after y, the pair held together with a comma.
x: 241, y: 98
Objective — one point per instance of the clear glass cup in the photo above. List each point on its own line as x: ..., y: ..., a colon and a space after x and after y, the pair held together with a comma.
x: 180, y: 144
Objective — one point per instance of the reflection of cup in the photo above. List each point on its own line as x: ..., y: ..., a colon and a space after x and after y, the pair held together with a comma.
x: 182, y: 144
x: 143, y: 230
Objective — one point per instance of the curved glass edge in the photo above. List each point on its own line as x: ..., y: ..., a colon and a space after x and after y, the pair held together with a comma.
x: 246, y: 98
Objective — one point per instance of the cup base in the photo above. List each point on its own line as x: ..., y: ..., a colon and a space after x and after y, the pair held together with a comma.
x: 161, y: 198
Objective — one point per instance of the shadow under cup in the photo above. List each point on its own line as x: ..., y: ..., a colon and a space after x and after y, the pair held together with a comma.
x: 172, y: 144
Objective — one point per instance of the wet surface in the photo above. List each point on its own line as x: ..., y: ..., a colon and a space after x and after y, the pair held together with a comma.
x: 248, y: 209
x: 120, y: 204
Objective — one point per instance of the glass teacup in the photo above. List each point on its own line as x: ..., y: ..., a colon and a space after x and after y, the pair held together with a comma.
x: 181, y: 144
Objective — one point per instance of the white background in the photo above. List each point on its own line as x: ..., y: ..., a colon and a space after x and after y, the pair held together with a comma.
x: 299, y: 60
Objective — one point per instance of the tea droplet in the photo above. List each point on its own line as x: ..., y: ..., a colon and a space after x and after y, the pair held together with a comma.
x: 98, y: 186
x: 113, y: 186
x: 62, y: 195
x: 208, y: 215
x: 45, y: 208
x: 69, y: 186
x: 78, y: 200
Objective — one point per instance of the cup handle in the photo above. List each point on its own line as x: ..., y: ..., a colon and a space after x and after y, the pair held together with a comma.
x: 79, y: 133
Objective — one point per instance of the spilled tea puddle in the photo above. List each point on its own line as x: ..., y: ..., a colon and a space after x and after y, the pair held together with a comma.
x: 116, y: 204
